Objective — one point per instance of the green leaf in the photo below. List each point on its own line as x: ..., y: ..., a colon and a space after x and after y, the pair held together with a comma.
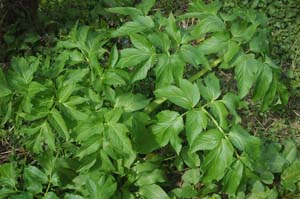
x: 220, y: 112
x: 113, y: 57
x: 196, y: 122
x: 208, y: 24
x: 211, y: 91
x: 168, y: 70
x: 59, y: 124
x: 194, y: 56
x: 232, y: 50
x: 5, y: 90
x: 168, y: 125
x: 290, y: 176
x: 101, y: 188
x: 172, y: 29
x: 131, y: 57
x: 245, y: 73
x: 25, y: 69
x: 263, y: 82
x: 146, y: 5
x: 290, y: 151
x: 48, y: 135
x: 131, y: 102
x: 187, y: 96
x: 207, y: 140
x: 34, y: 179
x: 150, y: 177
x: 233, y: 177
x: 153, y: 192
x: 73, y: 113
x: 215, y: 44
x: 160, y: 40
x: 116, y: 135
x: 65, y: 92
x: 140, y: 23
x: 140, y: 42
x: 217, y: 161
x: 191, y: 176
x: 8, y: 175
x: 232, y: 102
x: 242, y: 32
x: 133, y: 12
x: 142, y: 71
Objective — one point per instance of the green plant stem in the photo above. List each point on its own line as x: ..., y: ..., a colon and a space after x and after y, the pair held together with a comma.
x: 158, y: 102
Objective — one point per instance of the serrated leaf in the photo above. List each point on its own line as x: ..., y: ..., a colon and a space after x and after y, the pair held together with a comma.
x: 194, y: 56
x: 131, y: 102
x: 217, y: 161
x: 34, y: 179
x: 232, y: 102
x: 172, y: 29
x: 116, y: 135
x: 263, y: 82
x: 140, y: 23
x: 8, y: 175
x: 153, y: 192
x: 5, y: 90
x: 208, y: 24
x: 211, y: 90
x: 146, y: 5
x: 233, y: 177
x: 131, y: 11
x: 215, y: 44
x: 168, y: 70
x: 140, y: 42
x: 169, y: 124
x: 141, y: 72
x: 245, y: 73
x: 187, y: 96
x: 207, y: 140
x: 290, y: 151
x: 220, y: 112
x: 291, y: 175
x: 191, y: 176
x: 113, y: 57
x: 131, y: 57
x: 101, y: 188
x: 59, y: 124
x: 196, y: 122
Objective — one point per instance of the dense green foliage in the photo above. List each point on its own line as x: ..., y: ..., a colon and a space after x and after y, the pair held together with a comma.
x: 146, y: 108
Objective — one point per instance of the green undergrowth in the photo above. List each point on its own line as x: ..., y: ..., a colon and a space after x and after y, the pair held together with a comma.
x: 151, y: 107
